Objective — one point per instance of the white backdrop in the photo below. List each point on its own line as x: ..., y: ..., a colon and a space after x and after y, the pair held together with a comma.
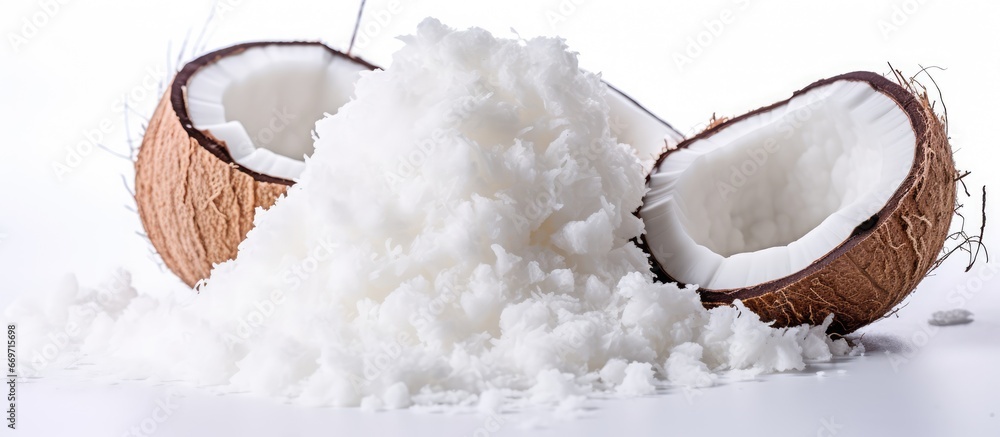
x: 66, y: 67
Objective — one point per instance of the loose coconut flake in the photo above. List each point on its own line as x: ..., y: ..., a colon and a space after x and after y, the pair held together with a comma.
x: 461, y: 236
x: 951, y: 317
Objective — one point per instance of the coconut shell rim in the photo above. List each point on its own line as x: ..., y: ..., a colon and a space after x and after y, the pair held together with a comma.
x: 178, y: 99
x: 642, y: 108
x: 914, y: 110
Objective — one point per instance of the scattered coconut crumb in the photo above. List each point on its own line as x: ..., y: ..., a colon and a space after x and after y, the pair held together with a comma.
x: 613, y: 372
x: 371, y: 403
x: 490, y: 401
x: 396, y: 396
x: 638, y: 380
x: 951, y: 317
x: 572, y: 407
x: 685, y: 367
x: 552, y: 386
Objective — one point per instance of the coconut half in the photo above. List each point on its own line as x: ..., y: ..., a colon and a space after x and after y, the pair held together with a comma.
x: 234, y: 128
x: 837, y: 200
x: 229, y: 136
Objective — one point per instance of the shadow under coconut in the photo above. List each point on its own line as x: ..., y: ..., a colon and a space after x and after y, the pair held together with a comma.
x: 882, y: 343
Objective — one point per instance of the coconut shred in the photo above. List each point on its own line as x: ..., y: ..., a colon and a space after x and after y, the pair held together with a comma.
x: 462, y: 235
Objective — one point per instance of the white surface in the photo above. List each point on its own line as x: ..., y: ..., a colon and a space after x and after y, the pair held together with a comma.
x: 869, y: 399
x: 68, y: 81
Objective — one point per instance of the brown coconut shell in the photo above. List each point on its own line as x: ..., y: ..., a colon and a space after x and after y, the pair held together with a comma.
x: 870, y: 273
x: 194, y: 201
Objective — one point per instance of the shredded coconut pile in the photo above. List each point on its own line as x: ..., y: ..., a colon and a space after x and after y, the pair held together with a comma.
x: 462, y: 235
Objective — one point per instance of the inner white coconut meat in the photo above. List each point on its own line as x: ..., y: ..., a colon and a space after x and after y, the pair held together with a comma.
x: 263, y: 102
x: 774, y: 192
x: 634, y: 125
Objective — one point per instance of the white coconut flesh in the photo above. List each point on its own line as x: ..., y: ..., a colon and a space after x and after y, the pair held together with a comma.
x: 770, y: 194
x: 633, y: 125
x: 263, y: 102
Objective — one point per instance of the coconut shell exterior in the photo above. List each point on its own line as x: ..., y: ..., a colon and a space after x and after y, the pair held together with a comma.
x: 194, y: 201
x: 196, y: 208
x: 869, y: 274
